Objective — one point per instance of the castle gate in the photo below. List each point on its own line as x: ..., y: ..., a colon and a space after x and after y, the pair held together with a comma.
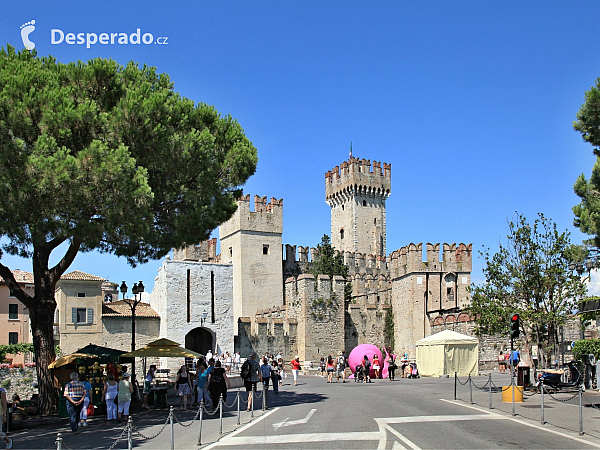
x: 199, y: 340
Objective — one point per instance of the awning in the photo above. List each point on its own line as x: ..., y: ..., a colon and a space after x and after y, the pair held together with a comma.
x: 68, y: 359
x: 163, y: 347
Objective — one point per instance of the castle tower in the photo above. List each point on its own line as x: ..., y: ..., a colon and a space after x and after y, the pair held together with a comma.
x: 251, y: 241
x: 356, y: 191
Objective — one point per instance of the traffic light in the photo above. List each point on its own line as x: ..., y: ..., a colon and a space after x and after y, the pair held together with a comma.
x: 514, y: 326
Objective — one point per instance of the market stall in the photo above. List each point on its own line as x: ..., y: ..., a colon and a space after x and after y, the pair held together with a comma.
x: 447, y: 352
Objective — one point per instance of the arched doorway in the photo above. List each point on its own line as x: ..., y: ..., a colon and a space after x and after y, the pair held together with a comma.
x: 199, y: 340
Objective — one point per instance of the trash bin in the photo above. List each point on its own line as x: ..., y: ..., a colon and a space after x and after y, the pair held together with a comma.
x: 523, y: 376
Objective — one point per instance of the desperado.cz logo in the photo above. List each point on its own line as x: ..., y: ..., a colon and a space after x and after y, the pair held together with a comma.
x: 58, y: 36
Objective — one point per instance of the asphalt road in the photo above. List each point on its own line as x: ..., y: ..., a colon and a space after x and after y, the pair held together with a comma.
x: 408, y: 413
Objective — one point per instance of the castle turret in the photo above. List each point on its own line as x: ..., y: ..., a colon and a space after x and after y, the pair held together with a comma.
x: 251, y: 241
x: 356, y: 191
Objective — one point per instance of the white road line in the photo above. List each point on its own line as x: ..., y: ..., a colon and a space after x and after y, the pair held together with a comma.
x: 532, y: 425
x: 285, y: 423
x: 448, y: 418
x: 300, y: 438
x: 399, y: 436
x: 239, y: 430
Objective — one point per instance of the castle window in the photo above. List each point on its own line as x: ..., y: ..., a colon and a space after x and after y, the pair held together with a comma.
x: 450, y: 294
x: 230, y: 252
x: 342, y: 233
x: 375, y: 221
x: 342, y: 207
x: 364, y: 203
x: 265, y: 249
x: 81, y: 294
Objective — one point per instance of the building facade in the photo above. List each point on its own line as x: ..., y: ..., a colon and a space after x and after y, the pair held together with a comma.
x: 14, y: 317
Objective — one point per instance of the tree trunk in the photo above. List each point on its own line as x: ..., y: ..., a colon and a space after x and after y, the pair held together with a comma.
x: 41, y: 317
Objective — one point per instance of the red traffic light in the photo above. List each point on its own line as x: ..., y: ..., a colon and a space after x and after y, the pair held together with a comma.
x: 514, y: 318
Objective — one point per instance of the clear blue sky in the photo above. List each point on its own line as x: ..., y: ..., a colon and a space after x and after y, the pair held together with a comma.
x: 471, y: 102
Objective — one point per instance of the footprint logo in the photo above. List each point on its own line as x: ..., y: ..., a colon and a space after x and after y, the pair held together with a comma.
x: 26, y: 30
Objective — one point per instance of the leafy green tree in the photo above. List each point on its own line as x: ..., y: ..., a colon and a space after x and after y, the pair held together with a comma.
x: 529, y: 276
x: 328, y: 261
x: 14, y: 349
x: 587, y: 213
x: 99, y: 156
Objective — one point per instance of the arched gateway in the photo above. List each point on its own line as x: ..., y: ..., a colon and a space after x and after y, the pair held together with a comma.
x: 199, y: 340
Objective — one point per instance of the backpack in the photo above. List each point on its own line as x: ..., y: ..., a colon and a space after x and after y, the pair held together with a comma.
x: 245, y: 372
x: 341, y: 361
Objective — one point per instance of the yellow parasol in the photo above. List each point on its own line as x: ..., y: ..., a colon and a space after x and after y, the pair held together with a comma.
x: 68, y: 359
x: 163, y: 347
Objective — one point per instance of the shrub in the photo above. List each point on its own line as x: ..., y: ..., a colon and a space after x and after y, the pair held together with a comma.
x: 5, y: 384
x: 587, y: 346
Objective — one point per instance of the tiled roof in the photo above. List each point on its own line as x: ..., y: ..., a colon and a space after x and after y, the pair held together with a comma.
x: 78, y: 275
x: 21, y: 276
x: 122, y: 309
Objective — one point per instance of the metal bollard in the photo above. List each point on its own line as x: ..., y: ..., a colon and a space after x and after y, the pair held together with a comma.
x: 221, y: 414
x: 238, y: 407
x: 580, y: 411
x: 512, y: 388
x: 253, y: 400
x: 172, y: 428
x: 542, y: 404
x: 264, y: 400
x: 200, y: 420
x: 129, y: 433
x: 455, y: 380
x: 470, y: 389
x: 490, y: 383
x: 59, y: 441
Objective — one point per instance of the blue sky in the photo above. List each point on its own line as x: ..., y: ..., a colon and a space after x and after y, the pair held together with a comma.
x: 471, y: 102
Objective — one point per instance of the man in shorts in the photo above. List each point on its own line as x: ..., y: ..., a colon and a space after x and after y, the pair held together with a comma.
x: 341, y: 366
x: 253, y: 377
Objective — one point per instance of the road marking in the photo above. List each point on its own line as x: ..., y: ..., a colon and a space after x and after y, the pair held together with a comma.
x: 396, y: 445
x: 532, y: 425
x: 446, y: 418
x: 285, y: 423
x: 300, y: 438
x: 239, y: 430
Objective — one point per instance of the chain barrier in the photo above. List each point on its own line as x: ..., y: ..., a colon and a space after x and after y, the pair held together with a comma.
x: 211, y: 413
x: 591, y: 403
x: 234, y: 401
x: 482, y: 387
x: 191, y: 421
x: 562, y: 400
x: 151, y: 437
x: 462, y: 384
x: 521, y: 389
x: 120, y: 437
x: 502, y: 388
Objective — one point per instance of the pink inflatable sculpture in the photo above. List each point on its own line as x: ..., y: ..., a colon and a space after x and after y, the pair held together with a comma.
x: 358, y: 353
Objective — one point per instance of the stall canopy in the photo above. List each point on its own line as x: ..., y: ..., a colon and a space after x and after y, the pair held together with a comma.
x: 68, y: 359
x: 101, y: 354
x: 447, y: 352
x: 165, y: 348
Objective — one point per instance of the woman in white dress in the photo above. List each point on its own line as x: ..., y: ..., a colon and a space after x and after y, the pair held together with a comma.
x: 109, y: 394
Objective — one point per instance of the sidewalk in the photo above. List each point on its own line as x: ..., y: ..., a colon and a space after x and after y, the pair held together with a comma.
x: 152, y: 423
x: 561, y: 410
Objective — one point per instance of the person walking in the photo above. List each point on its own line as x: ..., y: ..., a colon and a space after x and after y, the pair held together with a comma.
x: 86, y: 401
x: 376, y: 366
x: 75, y: 395
x: 295, y: 363
x: 218, y: 383
x: 322, y: 367
x: 265, y: 372
x: 501, y: 362
x: 367, y: 369
x: 275, y: 376
x: 252, y: 377
x: 124, y: 396
x: 392, y: 366
x: 237, y: 359
x: 330, y: 368
x: 341, y: 367
x: 282, y: 372
x: 203, y: 394
x: 4, y: 414
x: 403, y: 365
x: 228, y: 362
x: 183, y: 385
x: 147, y: 384
x: 109, y: 393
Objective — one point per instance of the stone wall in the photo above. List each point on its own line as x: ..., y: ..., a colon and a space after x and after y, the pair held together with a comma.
x: 116, y: 332
x: 365, y: 324
x: 19, y: 381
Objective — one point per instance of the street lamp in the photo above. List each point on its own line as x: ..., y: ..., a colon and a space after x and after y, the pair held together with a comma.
x: 203, y: 318
x: 137, y: 288
x: 581, y: 267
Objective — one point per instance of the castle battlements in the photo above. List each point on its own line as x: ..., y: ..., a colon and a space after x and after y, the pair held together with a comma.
x: 409, y: 259
x: 266, y: 217
x: 206, y: 251
x: 358, y: 176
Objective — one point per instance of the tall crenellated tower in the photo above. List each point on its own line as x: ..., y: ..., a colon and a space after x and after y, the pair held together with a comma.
x: 251, y: 241
x: 356, y: 191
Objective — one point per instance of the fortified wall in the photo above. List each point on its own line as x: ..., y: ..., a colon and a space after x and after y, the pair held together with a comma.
x: 422, y: 289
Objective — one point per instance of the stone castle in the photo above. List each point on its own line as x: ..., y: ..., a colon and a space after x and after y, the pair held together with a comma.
x: 259, y: 295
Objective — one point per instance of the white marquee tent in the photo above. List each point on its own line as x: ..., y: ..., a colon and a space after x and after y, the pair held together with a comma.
x: 447, y: 352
